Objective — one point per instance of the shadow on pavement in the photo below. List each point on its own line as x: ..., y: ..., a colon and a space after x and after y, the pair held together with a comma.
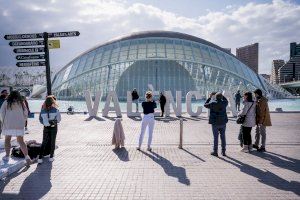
x: 96, y: 118
x: 122, y: 154
x: 136, y: 118
x: 280, y: 160
x: 166, y: 119
x: 169, y: 168
x: 34, y: 187
x: 113, y: 118
x: 265, y: 177
x: 193, y: 155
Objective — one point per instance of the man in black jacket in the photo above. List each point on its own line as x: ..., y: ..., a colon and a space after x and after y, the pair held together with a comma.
x: 135, y: 99
x: 162, y: 102
x: 218, y: 119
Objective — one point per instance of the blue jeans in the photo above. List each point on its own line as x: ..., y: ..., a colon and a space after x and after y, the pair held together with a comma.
x: 136, y: 101
x: 216, y: 130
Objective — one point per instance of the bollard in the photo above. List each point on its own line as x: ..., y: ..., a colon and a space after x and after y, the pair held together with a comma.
x: 180, y: 134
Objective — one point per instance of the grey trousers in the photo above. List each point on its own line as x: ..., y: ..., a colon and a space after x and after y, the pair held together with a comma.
x: 260, y: 131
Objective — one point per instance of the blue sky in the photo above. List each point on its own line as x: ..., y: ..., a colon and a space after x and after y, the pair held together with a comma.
x: 274, y: 24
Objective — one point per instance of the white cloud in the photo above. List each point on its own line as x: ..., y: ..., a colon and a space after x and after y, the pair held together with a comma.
x: 274, y: 25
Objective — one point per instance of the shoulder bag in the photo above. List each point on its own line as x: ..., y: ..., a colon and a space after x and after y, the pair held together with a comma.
x: 241, y: 119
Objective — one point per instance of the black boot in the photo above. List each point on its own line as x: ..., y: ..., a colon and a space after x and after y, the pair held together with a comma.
x: 262, y: 149
x: 214, y: 153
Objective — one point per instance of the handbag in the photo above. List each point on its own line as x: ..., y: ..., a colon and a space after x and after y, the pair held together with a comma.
x: 53, y: 123
x: 30, y: 115
x: 241, y: 119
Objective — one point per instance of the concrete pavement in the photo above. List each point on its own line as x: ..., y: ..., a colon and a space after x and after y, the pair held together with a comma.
x: 87, y: 167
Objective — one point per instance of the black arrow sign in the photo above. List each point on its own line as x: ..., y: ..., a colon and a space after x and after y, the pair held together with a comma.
x: 30, y: 57
x: 31, y: 64
x: 27, y: 43
x: 64, y: 34
x: 29, y: 50
x: 23, y: 36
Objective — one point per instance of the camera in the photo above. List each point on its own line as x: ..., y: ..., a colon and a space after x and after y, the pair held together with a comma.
x: 53, y: 123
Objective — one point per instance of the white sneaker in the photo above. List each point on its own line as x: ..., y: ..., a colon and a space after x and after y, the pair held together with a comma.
x: 5, y: 158
x: 245, y: 149
x: 40, y: 161
x: 250, y: 147
x: 51, y: 159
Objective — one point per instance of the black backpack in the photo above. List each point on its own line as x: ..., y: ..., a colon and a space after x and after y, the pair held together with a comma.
x: 33, y: 151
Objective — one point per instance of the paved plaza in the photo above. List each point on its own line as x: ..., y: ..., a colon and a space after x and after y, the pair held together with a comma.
x: 86, y: 166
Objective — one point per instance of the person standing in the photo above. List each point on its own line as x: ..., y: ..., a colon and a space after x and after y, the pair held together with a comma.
x: 49, y: 117
x: 237, y: 97
x: 162, y: 102
x: 248, y: 110
x: 218, y: 119
x: 27, y: 106
x: 3, y: 97
x: 263, y: 119
x: 135, y: 99
x: 148, y: 120
x: 13, y: 114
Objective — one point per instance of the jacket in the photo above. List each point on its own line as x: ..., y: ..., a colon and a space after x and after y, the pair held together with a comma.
x: 134, y: 95
x: 262, y: 112
x: 13, y: 118
x: 250, y: 120
x: 218, y: 115
x: 54, y: 114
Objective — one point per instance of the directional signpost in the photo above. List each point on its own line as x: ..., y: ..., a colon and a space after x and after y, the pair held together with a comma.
x: 27, y: 43
x: 39, y: 47
x: 31, y: 64
x: 29, y: 50
x: 23, y: 36
x: 30, y: 57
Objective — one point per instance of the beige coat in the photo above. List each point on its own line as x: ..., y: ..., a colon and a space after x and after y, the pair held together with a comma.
x: 262, y: 112
x: 13, y: 118
x: 118, y: 134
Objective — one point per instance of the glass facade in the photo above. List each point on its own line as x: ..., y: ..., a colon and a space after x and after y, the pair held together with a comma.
x: 167, y: 63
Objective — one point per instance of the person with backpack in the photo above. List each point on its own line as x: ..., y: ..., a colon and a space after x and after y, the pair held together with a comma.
x: 49, y: 117
x: 248, y: 111
x: 13, y: 114
x: 148, y: 120
x: 263, y: 120
x: 218, y: 119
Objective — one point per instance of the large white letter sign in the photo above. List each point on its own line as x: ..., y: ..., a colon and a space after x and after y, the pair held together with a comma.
x: 112, y: 95
x: 154, y: 93
x: 129, y: 106
x: 92, y: 109
x: 189, y: 96
x: 231, y: 103
x: 177, y: 109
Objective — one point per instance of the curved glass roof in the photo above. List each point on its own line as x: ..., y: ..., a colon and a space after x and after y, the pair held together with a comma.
x: 157, y: 45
